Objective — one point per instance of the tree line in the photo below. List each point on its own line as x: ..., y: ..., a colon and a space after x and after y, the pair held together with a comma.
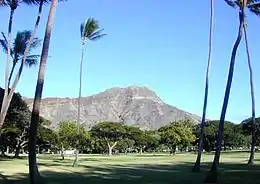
x: 115, y: 137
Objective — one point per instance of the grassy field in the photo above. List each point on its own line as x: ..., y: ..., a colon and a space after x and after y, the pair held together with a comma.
x: 137, y: 169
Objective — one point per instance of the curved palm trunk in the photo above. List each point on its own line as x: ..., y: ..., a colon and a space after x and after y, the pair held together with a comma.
x: 8, y: 99
x: 212, y: 177
x: 203, y: 121
x: 7, y: 69
x: 75, y: 163
x: 33, y: 167
x: 253, y: 142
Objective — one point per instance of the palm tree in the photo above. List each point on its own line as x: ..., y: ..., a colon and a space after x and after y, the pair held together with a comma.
x: 33, y: 167
x: 13, y: 4
x: 18, y: 50
x: 253, y: 6
x: 255, y: 10
x: 89, y: 30
x: 203, y: 121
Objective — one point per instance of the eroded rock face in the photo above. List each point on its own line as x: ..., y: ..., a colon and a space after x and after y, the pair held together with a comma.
x: 137, y: 106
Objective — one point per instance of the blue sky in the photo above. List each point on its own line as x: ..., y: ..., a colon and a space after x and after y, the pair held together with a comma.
x: 161, y: 45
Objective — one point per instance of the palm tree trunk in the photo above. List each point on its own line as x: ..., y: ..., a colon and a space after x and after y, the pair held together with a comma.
x: 11, y: 73
x: 9, y: 97
x: 212, y: 176
x: 253, y: 142
x: 75, y: 163
x: 33, y: 167
x: 203, y: 121
x: 7, y: 68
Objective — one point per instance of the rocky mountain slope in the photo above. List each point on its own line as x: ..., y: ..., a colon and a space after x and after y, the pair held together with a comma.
x: 137, y: 106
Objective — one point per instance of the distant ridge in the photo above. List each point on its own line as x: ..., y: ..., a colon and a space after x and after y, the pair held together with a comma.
x: 137, y: 106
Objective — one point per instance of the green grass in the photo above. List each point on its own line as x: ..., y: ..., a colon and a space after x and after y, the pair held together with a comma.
x: 126, y: 169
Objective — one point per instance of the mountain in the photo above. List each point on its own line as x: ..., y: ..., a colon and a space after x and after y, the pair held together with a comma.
x: 137, y: 106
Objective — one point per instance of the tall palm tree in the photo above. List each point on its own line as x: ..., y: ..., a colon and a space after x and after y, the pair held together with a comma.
x: 13, y: 4
x: 18, y: 50
x: 33, y: 167
x: 203, y: 121
x: 253, y: 6
x: 89, y: 30
x: 256, y: 11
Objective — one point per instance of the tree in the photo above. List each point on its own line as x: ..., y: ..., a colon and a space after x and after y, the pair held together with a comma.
x: 47, y: 139
x: 177, y: 134
x: 14, y: 132
x: 247, y: 127
x: 253, y: 6
x: 33, y: 168
x: 125, y: 145
x: 203, y: 120
x: 68, y: 134
x: 13, y: 4
x: 89, y: 30
x: 233, y: 136
x: 18, y: 50
x: 139, y: 137
x: 109, y: 132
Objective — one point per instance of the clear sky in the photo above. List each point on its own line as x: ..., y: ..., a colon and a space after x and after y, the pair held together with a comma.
x: 159, y: 44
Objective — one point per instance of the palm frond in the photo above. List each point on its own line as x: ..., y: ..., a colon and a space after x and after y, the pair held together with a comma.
x: 21, y: 41
x: 2, y: 3
x: 231, y: 3
x: 98, y: 37
x: 33, y: 56
x: 35, y: 2
x: 88, y: 27
x: 32, y: 60
x: 35, y: 44
x: 3, y: 44
x: 96, y: 33
x: 254, y: 8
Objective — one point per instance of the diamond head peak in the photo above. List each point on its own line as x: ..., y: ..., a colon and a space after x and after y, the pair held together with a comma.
x: 136, y: 106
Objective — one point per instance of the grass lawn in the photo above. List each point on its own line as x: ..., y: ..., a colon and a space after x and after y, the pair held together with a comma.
x: 136, y: 169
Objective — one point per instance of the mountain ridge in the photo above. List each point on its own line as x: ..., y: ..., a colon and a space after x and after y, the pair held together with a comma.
x: 134, y: 105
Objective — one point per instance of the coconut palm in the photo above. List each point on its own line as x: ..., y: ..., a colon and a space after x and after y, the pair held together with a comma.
x: 33, y: 167
x: 89, y: 31
x: 203, y: 120
x: 252, y: 6
x: 18, y: 50
x: 13, y: 4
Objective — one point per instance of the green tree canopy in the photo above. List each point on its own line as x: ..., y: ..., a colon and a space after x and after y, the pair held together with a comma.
x: 109, y: 132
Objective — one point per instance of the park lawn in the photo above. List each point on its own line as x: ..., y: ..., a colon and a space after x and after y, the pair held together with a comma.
x: 126, y: 169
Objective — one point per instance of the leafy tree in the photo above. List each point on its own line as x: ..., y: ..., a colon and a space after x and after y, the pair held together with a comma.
x: 232, y: 136
x: 203, y: 120
x: 68, y: 134
x: 247, y: 127
x: 125, y: 145
x: 89, y: 30
x: 46, y: 138
x: 139, y: 137
x: 153, y: 140
x: 15, y: 129
x: 33, y: 167
x: 177, y: 134
x: 253, y: 6
x: 109, y: 132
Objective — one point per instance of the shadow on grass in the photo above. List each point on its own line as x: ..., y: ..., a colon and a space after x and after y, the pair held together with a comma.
x: 141, y: 174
